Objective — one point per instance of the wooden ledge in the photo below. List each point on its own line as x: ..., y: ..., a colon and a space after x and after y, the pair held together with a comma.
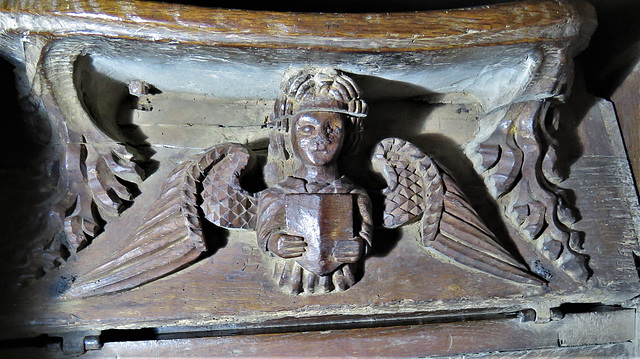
x: 519, y: 22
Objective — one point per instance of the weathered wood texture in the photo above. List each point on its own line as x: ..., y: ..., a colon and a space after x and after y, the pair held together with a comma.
x: 626, y: 99
x: 171, y: 234
x: 200, y: 348
x: 451, y: 229
x: 626, y: 350
x: 527, y: 21
x: 609, y: 212
x: 482, y: 79
x: 577, y: 329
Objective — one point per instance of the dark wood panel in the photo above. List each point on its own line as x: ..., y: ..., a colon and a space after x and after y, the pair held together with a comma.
x: 627, y: 102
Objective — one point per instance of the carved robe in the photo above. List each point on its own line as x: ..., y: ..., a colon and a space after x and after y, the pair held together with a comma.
x: 272, y: 219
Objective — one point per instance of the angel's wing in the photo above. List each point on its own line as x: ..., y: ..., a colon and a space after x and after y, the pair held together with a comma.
x: 170, y: 236
x: 450, y: 226
x: 225, y: 203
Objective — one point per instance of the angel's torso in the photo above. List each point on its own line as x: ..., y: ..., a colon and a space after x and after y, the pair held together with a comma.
x: 340, y: 208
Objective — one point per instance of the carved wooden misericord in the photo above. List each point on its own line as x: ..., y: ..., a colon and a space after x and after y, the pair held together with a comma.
x: 314, y: 223
x: 208, y: 172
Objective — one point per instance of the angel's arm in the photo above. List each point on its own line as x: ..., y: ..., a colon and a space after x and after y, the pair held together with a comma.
x: 271, y: 216
x: 271, y: 226
x: 365, y: 219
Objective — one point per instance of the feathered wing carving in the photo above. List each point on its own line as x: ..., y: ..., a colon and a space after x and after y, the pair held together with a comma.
x: 225, y: 202
x: 451, y: 228
x: 170, y: 237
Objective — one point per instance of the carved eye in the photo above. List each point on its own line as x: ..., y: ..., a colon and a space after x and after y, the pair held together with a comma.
x: 332, y: 130
x: 307, y: 129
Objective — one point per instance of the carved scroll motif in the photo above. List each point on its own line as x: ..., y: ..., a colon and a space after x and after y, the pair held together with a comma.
x: 511, y: 163
x: 95, y: 177
x: 100, y: 173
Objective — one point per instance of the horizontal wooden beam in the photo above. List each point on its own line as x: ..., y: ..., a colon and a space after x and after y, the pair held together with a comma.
x: 520, y: 22
x: 574, y: 329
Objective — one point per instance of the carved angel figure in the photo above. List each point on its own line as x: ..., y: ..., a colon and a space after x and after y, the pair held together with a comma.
x: 315, y: 224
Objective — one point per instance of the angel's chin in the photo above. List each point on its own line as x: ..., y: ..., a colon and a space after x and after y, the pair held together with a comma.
x: 320, y: 158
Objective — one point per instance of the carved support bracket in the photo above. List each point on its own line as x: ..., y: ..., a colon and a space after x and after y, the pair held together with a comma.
x: 517, y: 162
x: 95, y: 177
x: 512, y: 165
x: 98, y: 172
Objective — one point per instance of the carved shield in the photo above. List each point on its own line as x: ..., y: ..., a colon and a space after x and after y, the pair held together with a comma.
x: 322, y: 220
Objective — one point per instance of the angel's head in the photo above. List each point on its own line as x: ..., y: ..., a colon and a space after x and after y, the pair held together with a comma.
x: 317, y: 137
x: 317, y: 114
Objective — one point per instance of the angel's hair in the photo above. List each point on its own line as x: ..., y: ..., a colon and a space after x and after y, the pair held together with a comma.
x: 319, y: 89
x: 314, y: 89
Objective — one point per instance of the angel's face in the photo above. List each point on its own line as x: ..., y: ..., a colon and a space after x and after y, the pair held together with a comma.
x: 317, y: 137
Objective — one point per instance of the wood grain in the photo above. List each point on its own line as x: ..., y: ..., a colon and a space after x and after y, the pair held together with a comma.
x: 232, y: 289
x: 627, y: 102
x: 396, y: 341
x: 451, y: 228
x: 521, y: 22
x: 215, y: 291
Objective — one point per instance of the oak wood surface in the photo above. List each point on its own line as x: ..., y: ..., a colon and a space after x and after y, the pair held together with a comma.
x: 397, y: 341
x: 627, y: 103
x: 521, y: 22
x: 231, y: 288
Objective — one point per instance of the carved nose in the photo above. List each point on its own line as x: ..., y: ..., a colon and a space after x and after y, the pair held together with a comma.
x: 320, y: 141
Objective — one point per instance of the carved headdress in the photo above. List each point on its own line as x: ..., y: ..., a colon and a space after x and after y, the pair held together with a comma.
x: 319, y: 89
x: 313, y: 89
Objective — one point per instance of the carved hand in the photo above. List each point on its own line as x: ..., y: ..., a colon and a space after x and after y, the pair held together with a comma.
x: 348, y: 251
x: 286, y: 246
